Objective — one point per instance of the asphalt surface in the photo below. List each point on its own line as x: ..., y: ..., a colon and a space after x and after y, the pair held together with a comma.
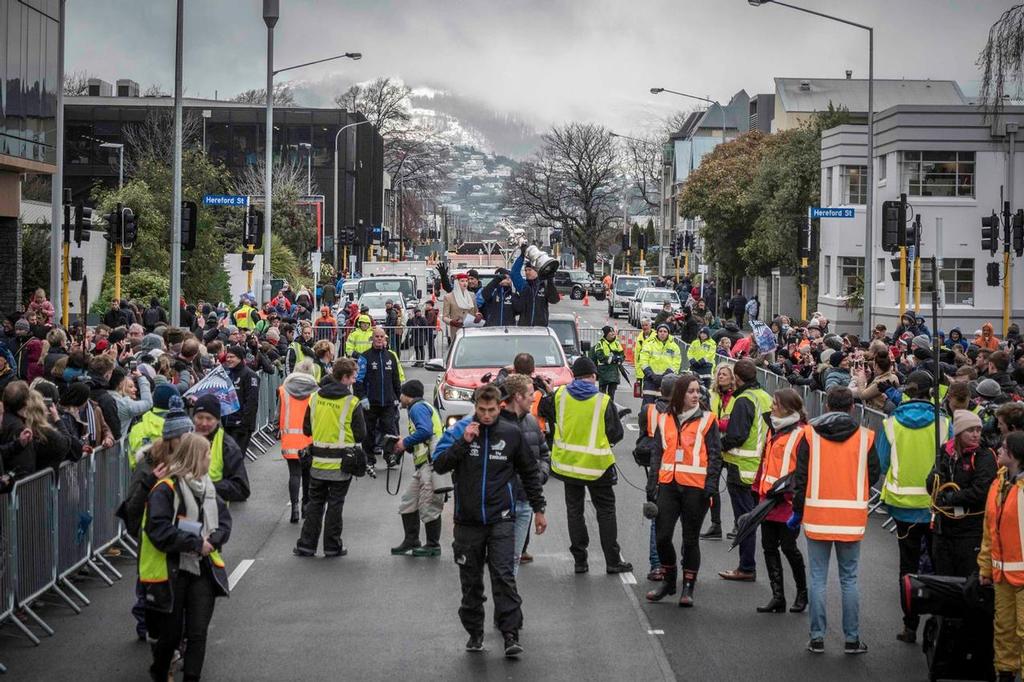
x: 370, y: 615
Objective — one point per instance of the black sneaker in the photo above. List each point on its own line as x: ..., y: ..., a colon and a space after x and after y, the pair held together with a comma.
x: 582, y: 568
x: 512, y: 646
x: 714, y: 532
x: 299, y: 551
x: 341, y: 552
x: 621, y: 567
x: 853, y: 648
x: 731, y: 535
x: 816, y: 646
x: 475, y: 643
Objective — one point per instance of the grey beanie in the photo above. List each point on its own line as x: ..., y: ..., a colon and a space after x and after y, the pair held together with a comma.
x: 176, y: 421
x: 988, y: 388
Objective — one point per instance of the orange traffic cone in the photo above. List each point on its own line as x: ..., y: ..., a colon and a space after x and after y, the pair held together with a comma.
x: 586, y: 298
x: 630, y: 343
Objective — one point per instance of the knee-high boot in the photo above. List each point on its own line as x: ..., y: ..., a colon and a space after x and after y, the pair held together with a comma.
x: 433, y: 544
x: 773, y: 562
x: 411, y: 524
x: 796, y: 564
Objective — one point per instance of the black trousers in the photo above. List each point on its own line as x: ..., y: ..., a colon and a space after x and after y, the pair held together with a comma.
x: 421, y: 353
x: 381, y: 420
x: 609, y: 389
x: 743, y: 500
x: 955, y: 554
x: 194, y: 598
x: 242, y: 436
x: 329, y: 494
x: 603, y: 499
x: 494, y: 546
x: 776, y: 535
x: 298, y: 477
x: 914, y: 540
x: 688, y: 506
x: 716, y: 508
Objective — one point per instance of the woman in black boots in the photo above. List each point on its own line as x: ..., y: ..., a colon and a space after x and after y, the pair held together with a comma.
x: 785, y: 442
x: 684, y: 471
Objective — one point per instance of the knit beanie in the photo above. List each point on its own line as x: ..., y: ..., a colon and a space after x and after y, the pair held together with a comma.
x: 836, y: 358
x: 963, y: 420
x: 209, y: 403
x: 988, y: 388
x: 162, y: 395
x: 176, y: 422
x: 583, y: 366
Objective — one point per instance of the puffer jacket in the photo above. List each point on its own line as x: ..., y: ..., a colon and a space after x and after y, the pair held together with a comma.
x: 537, y: 444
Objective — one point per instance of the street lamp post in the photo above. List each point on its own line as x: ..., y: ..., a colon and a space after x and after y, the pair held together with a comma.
x: 175, y: 288
x: 341, y: 264
x: 120, y: 160
x: 309, y: 166
x: 661, y: 217
x: 57, y: 296
x: 869, y: 281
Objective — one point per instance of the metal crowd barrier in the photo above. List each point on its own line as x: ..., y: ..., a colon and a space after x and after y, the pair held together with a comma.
x: 265, y: 435
x: 52, y: 525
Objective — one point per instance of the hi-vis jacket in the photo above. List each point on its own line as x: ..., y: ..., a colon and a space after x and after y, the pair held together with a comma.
x: 687, y: 454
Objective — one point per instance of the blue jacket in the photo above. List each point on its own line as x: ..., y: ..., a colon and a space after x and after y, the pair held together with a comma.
x: 378, y: 379
x: 421, y: 417
x: 485, y: 470
x: 497, y: 304
x: 914, y: 414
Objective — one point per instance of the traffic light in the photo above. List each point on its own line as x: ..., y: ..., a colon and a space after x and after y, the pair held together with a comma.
x: 803, y: 276
x: 894, y: 273
x: 189, y: 224
x: 126, y: 264
x: 113, y: 220
x: 77, y: 268
x: 1018, y: 232
x: 913, y: 234
x: 673, y: 249
x: 689, y: 241
x: 990, y: 233
x: 83, y: 217
x: 642, y: 241
x: 892, y: 225
x: 803, y: 238
x: 556, y: 236
x: 992, y: 274
x: 129, y: 229
x: 625, y: 241
x: 248, y: 260
x: 252, y: 235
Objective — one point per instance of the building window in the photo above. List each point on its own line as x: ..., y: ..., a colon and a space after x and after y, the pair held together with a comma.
x: 851, y: 274
x: 826, y: 195
x: 957, y: 276
x: 855, y: 189
x: 826, y: 275
x: 881, y: 167
x: 937, y: 174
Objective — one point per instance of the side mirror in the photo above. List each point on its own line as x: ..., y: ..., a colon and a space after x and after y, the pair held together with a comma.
x: 585, y: 346
x: 434, y: 365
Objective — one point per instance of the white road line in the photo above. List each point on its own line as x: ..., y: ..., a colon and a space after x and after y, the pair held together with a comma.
x: 628, y: 578
x: 240, y: 570
x: 633, y: 427
x: 655, y: 632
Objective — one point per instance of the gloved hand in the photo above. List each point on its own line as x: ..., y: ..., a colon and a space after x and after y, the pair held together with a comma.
x: 793, y: 523
x: 522, y: 249
x: 649, y: 374
x: 365, y: 403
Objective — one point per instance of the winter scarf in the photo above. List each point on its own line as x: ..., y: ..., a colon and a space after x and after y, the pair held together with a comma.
x: 202, y: 491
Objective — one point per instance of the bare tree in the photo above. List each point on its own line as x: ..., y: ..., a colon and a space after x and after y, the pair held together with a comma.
x: 155, y: 90
x: 153, y: 138
x: 1002, y: 59
x: 285, y: 177
x: 571, y: 183
x: 284, y: 96
x: 643, y: 166
x: 384, y: 103
x: 76, y: 83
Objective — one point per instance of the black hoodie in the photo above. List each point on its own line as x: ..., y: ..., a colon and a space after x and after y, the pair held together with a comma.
x: 836, y: 427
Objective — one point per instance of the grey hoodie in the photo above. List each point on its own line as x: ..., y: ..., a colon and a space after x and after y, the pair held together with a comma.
x: 299, y: 385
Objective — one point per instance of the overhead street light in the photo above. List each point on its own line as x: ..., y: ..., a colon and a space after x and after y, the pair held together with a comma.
x: 120, y: 160
x: 869, y: 281
x: 340, y: 265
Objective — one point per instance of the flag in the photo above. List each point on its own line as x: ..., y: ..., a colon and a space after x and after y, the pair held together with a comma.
x: 219, y: 384
x: 763, y: 336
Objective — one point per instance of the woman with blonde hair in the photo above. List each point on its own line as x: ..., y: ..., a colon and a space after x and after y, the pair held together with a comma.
x: 722, y: 386
x: 184, y: 527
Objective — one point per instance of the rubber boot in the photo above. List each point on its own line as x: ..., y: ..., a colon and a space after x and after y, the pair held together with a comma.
x: 411, y: 523
x: 796, y: 563
x: 433, y: 545
x: 778, y: 601
x: 667, y: 586
x: 689, y: 582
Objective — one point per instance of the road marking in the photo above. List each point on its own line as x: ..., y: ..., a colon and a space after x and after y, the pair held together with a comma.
x: 633, y: 427
x: 628, y: 578
x: 656, y: 647
x: 240, y: 570
x: 655, y: 632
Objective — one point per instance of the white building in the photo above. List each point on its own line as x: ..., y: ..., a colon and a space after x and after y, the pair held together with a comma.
x: 954, y: 166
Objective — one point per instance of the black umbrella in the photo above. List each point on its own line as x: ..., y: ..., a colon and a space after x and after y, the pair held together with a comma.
x: 748, y: 523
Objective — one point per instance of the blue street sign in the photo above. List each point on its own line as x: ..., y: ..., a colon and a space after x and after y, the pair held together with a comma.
x: 225, y: 200
x: 820, y: 212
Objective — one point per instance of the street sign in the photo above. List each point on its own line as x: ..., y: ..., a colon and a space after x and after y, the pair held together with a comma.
x: 314, y: 262
x: 702, y: 269
x: 225, y: 200
x: 821, y: 212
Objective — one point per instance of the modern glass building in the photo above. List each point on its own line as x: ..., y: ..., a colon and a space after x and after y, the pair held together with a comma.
x: 29, y: 33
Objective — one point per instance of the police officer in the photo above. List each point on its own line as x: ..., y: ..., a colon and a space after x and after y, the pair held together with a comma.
x: 742, y: 445
x: 609, y: 356
x: 582, y: 457
x: 360, y: 338
x: 659, y: 356
x: 379, y: 383
x: 241, y: 424
x: 485, y: 452
x: 335, y: 422
x: 498, y: 299
x: 420, y: 502
x: 227, y: 461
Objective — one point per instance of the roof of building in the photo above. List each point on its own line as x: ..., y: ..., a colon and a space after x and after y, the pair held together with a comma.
x: 815, y: 94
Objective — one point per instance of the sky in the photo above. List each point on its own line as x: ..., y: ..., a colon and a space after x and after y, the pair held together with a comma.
x: 547, y: 61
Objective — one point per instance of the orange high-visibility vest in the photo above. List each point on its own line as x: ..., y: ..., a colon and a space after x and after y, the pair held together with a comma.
x: 1005, y: 522
x: 684, y: 457
x: 290, y: 417
x: 779, y: 458
x: 836, y: 505
x: 652, y: 419
x: 534, y: 410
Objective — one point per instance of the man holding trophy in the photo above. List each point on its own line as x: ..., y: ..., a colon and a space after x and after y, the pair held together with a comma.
x: 536, y: 292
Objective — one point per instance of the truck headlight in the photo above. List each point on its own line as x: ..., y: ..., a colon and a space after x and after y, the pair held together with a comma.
x: 455, y: 393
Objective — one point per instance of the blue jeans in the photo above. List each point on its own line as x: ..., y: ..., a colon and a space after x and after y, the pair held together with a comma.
x: 819, y: 553
x: 524, y: 517
x: 655, y: 561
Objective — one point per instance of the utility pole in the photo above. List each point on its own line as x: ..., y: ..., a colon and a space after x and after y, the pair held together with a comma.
x: 175, y: 288
x: 1011, y: 134
x: 917, y: 264
x: 58, y: 291
x: 66, y: 268
x: 271, y: 13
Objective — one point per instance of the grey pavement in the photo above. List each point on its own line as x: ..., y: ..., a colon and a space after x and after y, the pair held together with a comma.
x: 370, y: 615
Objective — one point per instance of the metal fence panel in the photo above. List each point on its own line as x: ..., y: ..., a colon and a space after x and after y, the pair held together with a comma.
x: 35, y: 537
x: 9, y: 567
x: 107, y: 495
x: 74, y: 515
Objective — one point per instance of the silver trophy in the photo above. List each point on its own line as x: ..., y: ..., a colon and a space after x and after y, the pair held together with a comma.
x: 539, y: 260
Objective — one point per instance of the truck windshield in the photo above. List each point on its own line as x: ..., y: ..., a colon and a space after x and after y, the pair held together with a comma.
x: 661, y: 297
x: 369, y: 285
x: 494, y: 351
x: 628, y: 286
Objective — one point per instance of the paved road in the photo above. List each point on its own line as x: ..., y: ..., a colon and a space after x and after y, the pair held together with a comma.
x: 371, y: 615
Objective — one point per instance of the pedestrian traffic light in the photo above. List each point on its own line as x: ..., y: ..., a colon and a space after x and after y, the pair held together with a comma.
x: 990, y: 233
x: 129, y: 229
x: 992, y: 274
x: 1018, y: 232
x: 189, y: 225
x: 248, y: 260
x: 83, y: 217
x: 126, y: 264
x: 113, y: 220
x: 77, y: 268
x: 556, y: 236
x: 892, y: 226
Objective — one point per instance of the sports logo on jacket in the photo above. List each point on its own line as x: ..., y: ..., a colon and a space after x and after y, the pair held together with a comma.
x: 498, y: 451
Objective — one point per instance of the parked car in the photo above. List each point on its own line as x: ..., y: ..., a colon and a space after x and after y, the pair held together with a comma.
x: 649, y: 302
x: 567, y: 329
x: 477, y: 352
x: 624, y: 288
x: 576, y: 283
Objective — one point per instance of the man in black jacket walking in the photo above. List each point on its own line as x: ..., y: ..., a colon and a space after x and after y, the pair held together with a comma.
x: 379, y: 383
x: 485, y: 452
x: 241, y: 424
